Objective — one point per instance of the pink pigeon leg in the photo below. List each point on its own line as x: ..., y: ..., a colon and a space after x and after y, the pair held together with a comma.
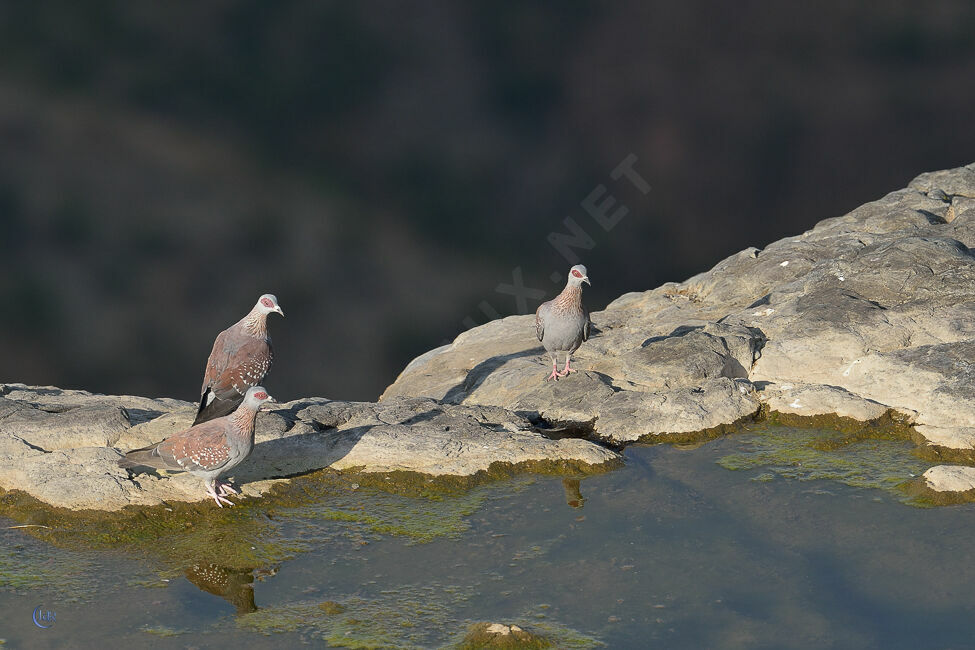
x: 555, y: 370
x: 567, y: 369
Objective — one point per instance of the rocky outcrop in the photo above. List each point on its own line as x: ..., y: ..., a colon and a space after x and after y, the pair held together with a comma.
x: 60, y: 445
x: 635, y: 383
x: 865, y: 314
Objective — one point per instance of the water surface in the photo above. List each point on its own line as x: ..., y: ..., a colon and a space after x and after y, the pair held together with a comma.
x: 756, y: 540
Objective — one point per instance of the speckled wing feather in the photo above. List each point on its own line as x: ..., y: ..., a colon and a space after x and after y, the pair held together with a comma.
x: 206, y: 449
x: 247, y: 366
x: 203, y: 446
x: 237, y: 364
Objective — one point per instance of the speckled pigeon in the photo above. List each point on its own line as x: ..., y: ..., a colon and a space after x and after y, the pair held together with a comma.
x: 562, y: 324
x: 206, y: 450
x: 241, y: 358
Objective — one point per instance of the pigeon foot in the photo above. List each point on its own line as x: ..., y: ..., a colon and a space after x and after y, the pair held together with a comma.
x: 218, y: 498
x: 566, y: 370
x: 224, y: 488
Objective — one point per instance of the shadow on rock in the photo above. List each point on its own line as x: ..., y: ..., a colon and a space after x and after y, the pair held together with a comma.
x: 482, y: 371
x: 297, y: 455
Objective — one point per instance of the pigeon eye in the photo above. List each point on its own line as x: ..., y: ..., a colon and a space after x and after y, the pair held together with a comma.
x: 261, y: 395
x: 576, y: 273
x: 267, y: 302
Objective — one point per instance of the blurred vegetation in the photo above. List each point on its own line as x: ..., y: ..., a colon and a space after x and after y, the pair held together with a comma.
x: 382, y: 168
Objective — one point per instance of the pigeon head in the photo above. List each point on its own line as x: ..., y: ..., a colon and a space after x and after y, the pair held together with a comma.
x: 256, y: 397
x: 269, y: 303
x: 578, y: 275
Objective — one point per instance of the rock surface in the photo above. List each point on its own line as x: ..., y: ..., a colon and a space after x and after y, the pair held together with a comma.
x: 950, y: 478
x: 866, y: 312
x: 500, y: 635
x: 60, y: 445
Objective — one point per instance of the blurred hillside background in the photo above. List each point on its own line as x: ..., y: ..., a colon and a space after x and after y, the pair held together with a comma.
x: 383, y: 166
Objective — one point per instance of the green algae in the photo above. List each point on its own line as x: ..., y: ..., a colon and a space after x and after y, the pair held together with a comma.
x: 331, y: 607
x: 564, y: 637
x: 409, y: 616
x: 939, y: 455
x: 293, y: 517
x: 163, y: 631
x: 179, y: 534
x: 221, y: 550
x: 889, y: 426
x: 692, y: 439
x: 531, y: 636
x: 322, y: 508
x: 540, y: 634
x: 406, y: 617
x: 854, y: 458
x: 480, y: 636
x: 923, y: 495
x: 26, y: 565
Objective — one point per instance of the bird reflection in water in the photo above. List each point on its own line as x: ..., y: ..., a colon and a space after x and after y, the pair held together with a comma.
x: 573, y: 495
x: 233, y: 585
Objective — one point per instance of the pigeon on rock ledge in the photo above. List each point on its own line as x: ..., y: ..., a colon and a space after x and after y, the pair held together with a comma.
x: 206, y: 450
x: 241, y: 358
x: 562, y: 324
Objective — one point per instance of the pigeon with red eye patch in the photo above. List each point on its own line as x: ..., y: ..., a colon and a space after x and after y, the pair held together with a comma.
x: 562, y: 324
x: 207, y: 450
x: 241, y: 358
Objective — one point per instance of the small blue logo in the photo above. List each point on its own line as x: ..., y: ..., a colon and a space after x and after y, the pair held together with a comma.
x: 43, y: 618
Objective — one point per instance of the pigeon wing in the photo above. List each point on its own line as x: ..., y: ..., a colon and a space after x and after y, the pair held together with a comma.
x: 218, y: 361
x: 174, y: 453
x: 249, y: 363
x: 540, y: 320
x: 200, y: 448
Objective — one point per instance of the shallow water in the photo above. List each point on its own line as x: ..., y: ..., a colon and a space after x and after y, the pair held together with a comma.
x: 738, y: 543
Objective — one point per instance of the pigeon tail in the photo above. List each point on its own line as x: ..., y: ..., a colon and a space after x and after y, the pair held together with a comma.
x: 146, y: 457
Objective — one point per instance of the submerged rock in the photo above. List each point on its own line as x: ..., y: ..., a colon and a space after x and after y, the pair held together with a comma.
x: 55, y: 446
x: 950, y: 478
x: 500, y: 635
x: 865, y: 314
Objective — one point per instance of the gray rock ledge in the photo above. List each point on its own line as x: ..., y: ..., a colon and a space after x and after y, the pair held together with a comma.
x: 865, y: 313
x: 60, y: 445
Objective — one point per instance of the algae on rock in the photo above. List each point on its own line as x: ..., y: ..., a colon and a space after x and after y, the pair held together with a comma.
x: 814, y: 454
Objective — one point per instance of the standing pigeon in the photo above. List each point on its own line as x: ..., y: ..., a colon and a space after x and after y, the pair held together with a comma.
x: 562, y: 324
x: 206, y: 450
x: 241, y: 358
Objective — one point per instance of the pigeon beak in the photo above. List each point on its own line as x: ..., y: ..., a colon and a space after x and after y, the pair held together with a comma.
x: 586, y: 280
x: 278, y: 309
